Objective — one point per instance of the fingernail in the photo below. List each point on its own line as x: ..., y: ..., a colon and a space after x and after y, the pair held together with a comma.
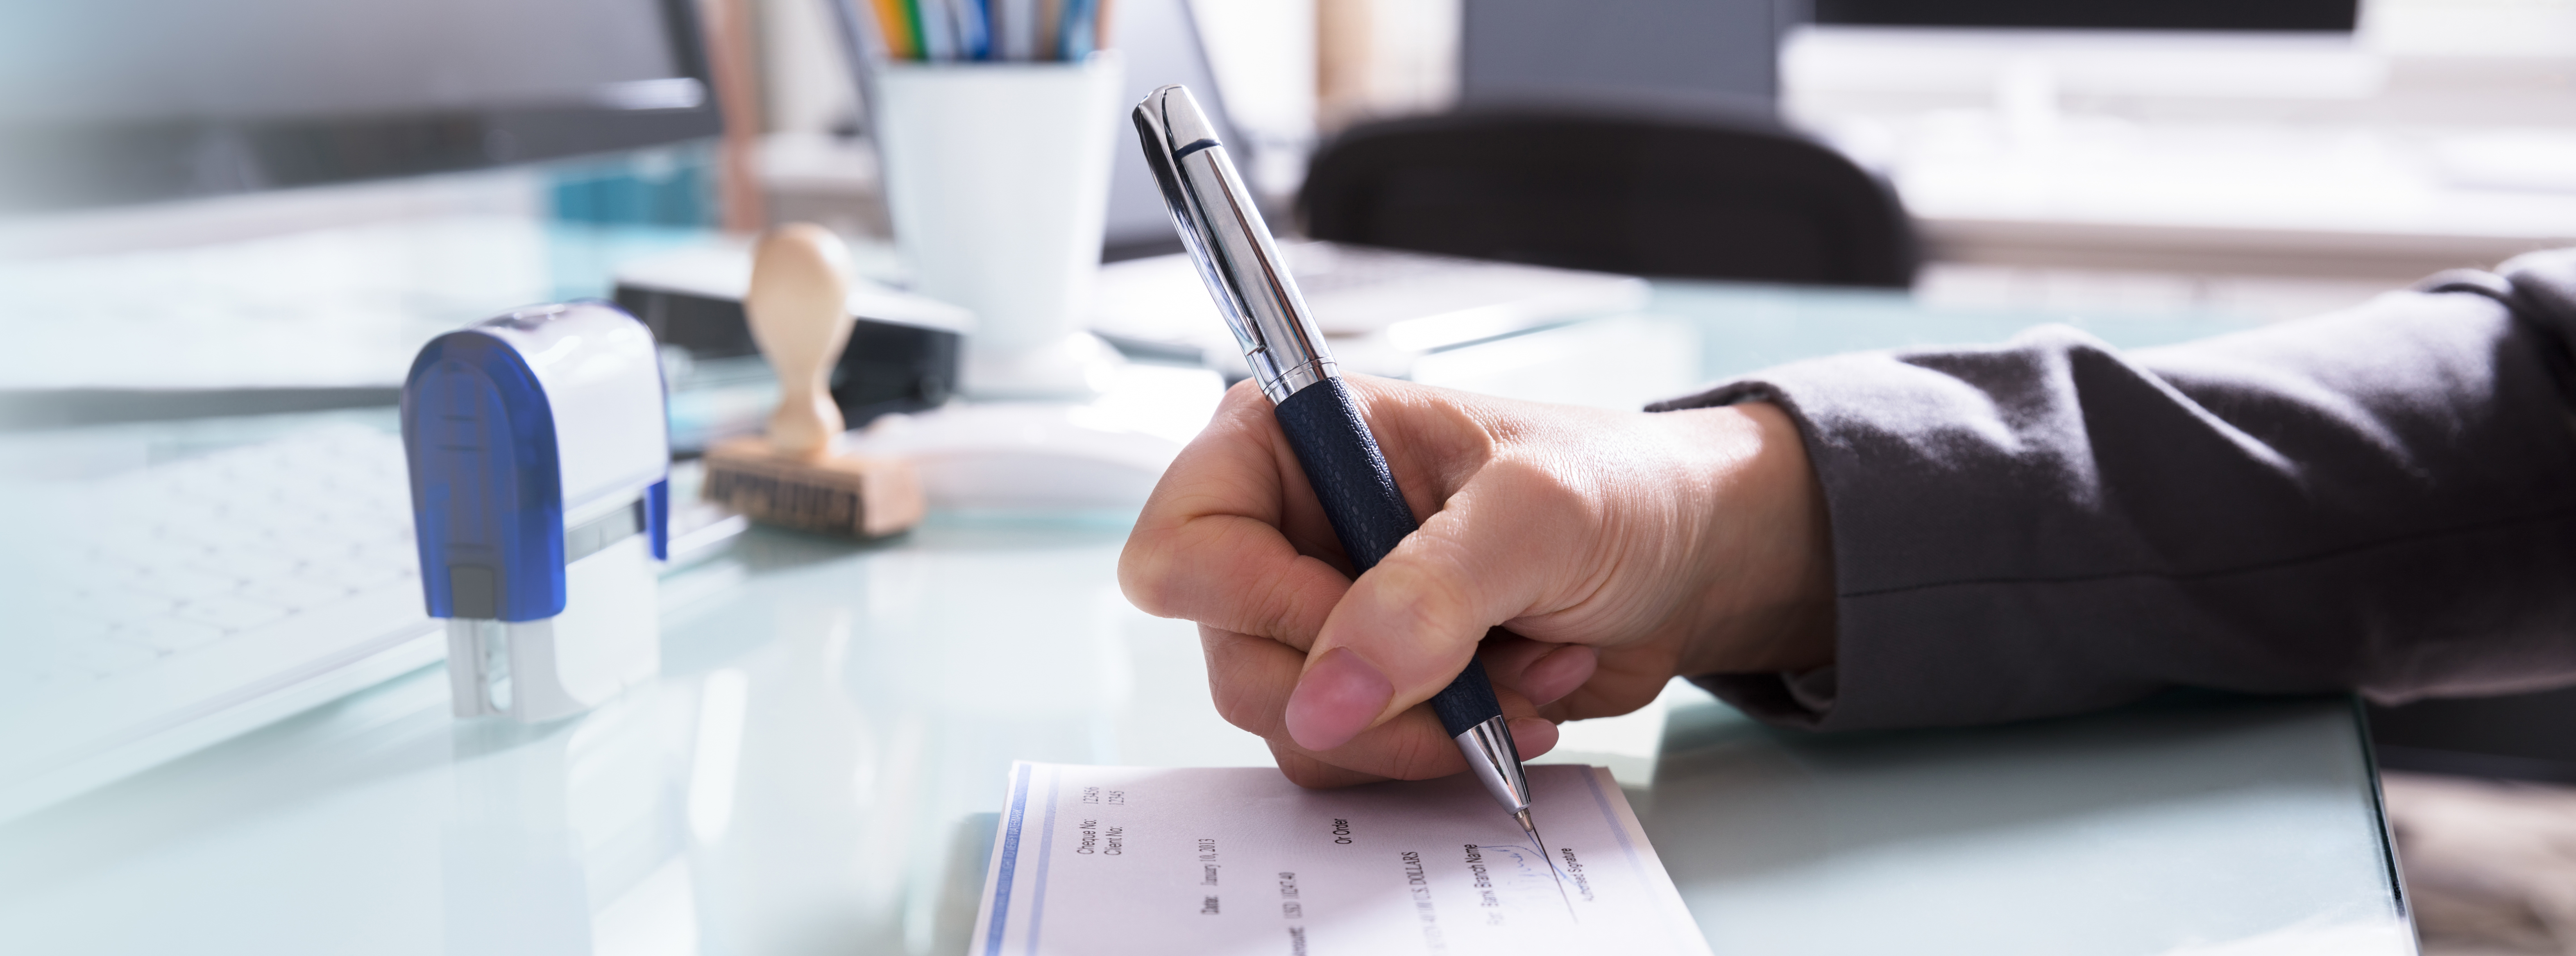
x: 1550, y: 678
x: 1339, y: 697
x: 1533, y: 736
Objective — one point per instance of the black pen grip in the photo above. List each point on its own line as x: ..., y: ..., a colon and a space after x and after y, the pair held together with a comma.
x: 1351, y: 480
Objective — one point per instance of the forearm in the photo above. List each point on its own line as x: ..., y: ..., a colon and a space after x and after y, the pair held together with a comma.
x: 2383, y: 500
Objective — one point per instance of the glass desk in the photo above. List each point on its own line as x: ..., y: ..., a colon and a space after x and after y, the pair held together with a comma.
x: 816, y: 771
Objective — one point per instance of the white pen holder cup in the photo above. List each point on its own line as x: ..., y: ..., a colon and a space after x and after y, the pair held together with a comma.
x: 997, y: 178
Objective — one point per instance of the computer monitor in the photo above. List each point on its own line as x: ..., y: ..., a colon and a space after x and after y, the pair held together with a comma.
x: 1721, y: 53
x: 2233, y: 50
x: 106, y: 102
x: 2325, y: 16
x: 1160, y: 41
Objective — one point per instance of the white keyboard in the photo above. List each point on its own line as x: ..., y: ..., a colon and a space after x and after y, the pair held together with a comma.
x: 194, y: 553
x: 166, y: 608
x: 182, y: 603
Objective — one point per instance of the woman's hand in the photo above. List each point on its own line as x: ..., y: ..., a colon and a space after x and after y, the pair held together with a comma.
x: 1618, y: 548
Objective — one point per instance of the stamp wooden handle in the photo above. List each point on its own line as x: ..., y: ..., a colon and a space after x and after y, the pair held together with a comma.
x: 799, y: 317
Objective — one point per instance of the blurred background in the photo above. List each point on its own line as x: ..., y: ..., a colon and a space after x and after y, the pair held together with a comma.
x: 2137, y: 157
x: 2214, y: 161
x: 267, y: 206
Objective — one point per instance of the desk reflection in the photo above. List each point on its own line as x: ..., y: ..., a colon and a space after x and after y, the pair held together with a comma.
x: 857, y: 711
x: 562, y: 838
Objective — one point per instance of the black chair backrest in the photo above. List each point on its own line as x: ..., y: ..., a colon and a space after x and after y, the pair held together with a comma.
x: 1667, y: 194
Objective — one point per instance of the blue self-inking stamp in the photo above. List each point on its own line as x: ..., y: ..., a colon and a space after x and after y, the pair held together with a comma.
x: 539, y: 451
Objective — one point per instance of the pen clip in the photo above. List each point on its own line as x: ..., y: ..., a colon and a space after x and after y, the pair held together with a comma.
x: 1230, y: 245
x: 1153, y: 126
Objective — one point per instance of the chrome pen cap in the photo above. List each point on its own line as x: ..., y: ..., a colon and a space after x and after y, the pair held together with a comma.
x: 1231, y: 245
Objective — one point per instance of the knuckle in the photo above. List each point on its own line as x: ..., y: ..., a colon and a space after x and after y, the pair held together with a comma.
x: 1432, y: 595
x: 1145, y: 574
x: 1282, y: 612
x: 1235, y: 685
x: 1441, y: 598
x: 1546, y: 491
x: 1237, y: 706
x: 1303, y: 772
x: 1413, y: 757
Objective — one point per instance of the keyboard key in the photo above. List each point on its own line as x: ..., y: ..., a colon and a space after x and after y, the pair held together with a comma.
x: 56, y: 676
x: 231, y: 612
x: 255, y: 565
x: 294, y: 593
x: 185, y: 583
x: 116, y: 605
x: 104, y: 658
x: 364, y: 573
x: 65, y: 631
x: 167, y: 634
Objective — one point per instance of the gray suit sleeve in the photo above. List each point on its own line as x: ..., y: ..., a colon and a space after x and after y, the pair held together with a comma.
x: 2381, y: 500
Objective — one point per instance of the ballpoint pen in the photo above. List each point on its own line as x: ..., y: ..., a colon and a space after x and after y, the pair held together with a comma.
x: 1235, y: 257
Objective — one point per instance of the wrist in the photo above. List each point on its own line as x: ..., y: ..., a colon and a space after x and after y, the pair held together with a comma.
x: 1763, y: 570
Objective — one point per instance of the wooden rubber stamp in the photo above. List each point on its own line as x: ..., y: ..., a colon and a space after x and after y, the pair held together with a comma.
x: 793, y: 476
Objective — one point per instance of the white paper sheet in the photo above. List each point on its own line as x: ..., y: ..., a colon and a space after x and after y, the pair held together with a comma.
x: 1139, y: 860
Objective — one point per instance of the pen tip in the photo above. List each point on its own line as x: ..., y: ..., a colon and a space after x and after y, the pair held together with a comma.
x: 1523, y: 816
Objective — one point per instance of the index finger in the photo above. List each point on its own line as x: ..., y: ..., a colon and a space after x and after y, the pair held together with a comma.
x: 1231, y: 536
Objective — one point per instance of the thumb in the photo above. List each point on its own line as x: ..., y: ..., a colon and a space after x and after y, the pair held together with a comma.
x: 1408, y: 626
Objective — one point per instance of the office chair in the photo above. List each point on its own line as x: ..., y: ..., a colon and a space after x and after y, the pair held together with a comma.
x: 1692, y: 193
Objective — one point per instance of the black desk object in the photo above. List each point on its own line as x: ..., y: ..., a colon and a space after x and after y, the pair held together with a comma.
x: 1665, y: 190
